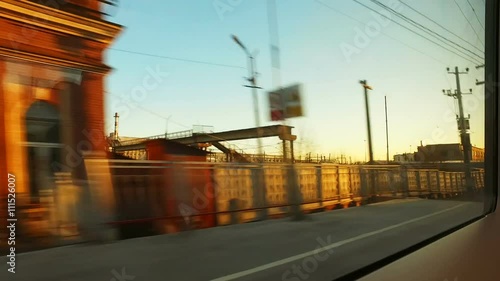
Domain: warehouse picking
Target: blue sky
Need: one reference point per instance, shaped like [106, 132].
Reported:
[409, 70]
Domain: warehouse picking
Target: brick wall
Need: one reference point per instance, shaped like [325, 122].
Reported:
[93, 104]
[22, 37]
[54, 80]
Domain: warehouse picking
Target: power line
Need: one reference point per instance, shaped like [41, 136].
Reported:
[383, 33]
[146, 110]
[474, 10]
[451, 32]
[436, 35]
[176, 59]
[467, 19]
[426, 29]
[405, 27]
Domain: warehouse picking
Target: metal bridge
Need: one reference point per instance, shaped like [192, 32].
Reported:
[188, 137]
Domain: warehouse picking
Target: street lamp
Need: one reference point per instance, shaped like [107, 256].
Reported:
[252, 79]
[260, 191]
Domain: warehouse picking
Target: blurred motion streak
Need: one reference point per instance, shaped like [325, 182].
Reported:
[51, 103]
[142, 198]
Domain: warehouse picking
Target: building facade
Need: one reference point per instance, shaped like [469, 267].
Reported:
[404, 157]
[450, 152]
[52, 93]
[477, 154]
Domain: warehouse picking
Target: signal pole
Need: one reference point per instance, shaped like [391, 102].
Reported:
[463, 125]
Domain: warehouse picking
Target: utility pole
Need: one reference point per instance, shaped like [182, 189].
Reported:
[370, 149]
[386, 129]
[371, 192]
[463, 125]
[253, 85]
[365, 150]
[259, 185]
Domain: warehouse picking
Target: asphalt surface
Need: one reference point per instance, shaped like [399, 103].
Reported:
[323, 247]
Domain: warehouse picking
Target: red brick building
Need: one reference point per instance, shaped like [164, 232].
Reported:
[51, 99]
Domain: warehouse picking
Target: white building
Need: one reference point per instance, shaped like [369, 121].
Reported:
[405, 157]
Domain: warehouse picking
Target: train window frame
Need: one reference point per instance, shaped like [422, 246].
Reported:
[491, 161]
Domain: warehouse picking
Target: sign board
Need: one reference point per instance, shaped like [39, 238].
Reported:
[286, 103]
[276, 106]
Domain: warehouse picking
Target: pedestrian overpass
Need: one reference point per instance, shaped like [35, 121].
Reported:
[191, 138]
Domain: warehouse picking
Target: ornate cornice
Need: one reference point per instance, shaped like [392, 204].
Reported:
[33, 14]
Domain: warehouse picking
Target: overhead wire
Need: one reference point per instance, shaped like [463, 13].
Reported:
[170, 120]
[467, 19]
[440, 25]
[176, 59]
[474, 10]
[383, 33]
[412, 31]
[426, 29]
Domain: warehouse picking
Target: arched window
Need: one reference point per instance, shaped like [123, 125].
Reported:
[43, 136]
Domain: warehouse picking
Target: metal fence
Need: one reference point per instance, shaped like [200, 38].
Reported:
[124, 198]
[160, 197]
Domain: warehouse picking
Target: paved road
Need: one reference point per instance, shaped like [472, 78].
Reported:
[326, 246]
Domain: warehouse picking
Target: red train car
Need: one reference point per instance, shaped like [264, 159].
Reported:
[187, 187]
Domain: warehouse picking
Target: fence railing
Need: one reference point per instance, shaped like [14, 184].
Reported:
[175, 135]
[141, 198]
[161, 195]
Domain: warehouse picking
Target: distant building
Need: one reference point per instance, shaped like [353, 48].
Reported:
[477, 154]
[451, 152]
[404, 158]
